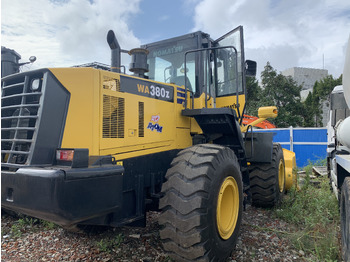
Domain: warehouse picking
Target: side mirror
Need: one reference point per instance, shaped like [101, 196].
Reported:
[250, 68]
[32, 59]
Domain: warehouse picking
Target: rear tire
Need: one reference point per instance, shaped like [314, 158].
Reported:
[202, 204]
[345, 218]
[267, 181]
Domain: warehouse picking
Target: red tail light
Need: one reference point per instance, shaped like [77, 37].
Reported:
[65, 155]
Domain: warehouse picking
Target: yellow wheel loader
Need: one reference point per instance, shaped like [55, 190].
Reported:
[85, 146]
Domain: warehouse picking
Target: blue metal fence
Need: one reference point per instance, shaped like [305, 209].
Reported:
[308, 144]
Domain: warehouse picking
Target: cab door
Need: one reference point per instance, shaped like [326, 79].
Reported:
[229, 71]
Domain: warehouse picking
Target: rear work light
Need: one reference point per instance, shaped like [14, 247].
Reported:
[75, 158]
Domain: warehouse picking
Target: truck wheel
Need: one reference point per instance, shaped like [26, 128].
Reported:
[345, 218]
[202, 204]
[267, 181]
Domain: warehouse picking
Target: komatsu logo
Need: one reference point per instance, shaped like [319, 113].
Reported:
[234, 106]
[169, 50]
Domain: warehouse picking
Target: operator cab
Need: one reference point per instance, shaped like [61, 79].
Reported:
[211, 70]
[166, 60]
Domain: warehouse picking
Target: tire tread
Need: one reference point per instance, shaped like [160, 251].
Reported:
[185, 202]
[264, 181]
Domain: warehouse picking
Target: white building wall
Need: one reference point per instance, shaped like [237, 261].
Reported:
[306, 77]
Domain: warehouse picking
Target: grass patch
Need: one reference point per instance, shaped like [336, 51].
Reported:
[48, 225]
[22, 225]
[314, 210]
[27, 221]
[16, 231]
[25, 224]
[107, 245]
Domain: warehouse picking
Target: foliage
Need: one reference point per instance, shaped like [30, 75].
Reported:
[254, 95]
[309, 111]
[314, 210]
[27, 221]
[16, 231]
[21, 225]
[48, 225]
[25, 224]
[283, 92]
[324, 87]
[277, 90]
[107, 245]
[313, 102]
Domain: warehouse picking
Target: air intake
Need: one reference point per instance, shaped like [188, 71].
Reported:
[138, 63]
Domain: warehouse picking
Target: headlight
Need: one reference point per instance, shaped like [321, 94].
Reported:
[35, 84]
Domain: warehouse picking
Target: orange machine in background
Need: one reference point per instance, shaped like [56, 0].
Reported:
[264, 124]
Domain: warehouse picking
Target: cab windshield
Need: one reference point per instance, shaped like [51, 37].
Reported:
[166, 63]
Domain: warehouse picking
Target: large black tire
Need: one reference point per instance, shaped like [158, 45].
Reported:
[345, 218]
[267, 181]
[202, 204]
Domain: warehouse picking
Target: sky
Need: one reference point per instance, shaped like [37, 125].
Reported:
[286, 33]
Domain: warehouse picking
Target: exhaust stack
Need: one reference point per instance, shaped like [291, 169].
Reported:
[115, 51]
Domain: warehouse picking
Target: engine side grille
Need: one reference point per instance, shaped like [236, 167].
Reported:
[141, 119]
[20, 107]
[113, 117]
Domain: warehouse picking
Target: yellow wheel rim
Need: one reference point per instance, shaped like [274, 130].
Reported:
[281, 176]
[227, 207]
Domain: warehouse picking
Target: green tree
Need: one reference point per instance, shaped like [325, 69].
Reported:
[324, 87]
[283, 92]
[254, 95]
[313, 103]
[308, 112]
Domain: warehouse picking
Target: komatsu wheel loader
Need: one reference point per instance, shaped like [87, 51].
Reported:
[83, 146]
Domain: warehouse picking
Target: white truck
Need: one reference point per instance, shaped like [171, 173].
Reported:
[338, 152]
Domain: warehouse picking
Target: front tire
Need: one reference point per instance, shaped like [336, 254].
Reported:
[202, 204]
[267, 181]
[345, 218]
